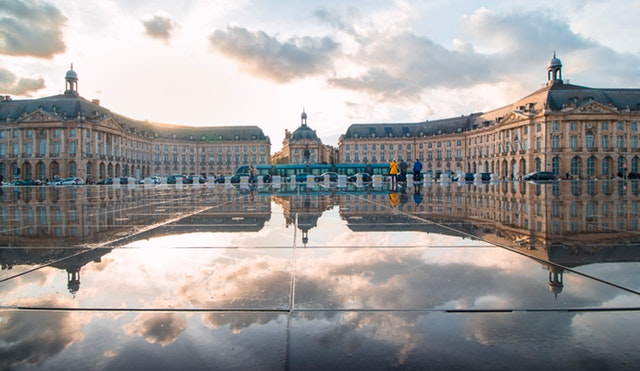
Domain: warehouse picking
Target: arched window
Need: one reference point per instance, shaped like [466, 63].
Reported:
[591, 166]
[621, 165]
[555, 166]
[575, 166]
[606, 166]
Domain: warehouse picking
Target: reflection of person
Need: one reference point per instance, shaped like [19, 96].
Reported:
[393, 198]
[393, 173]
[417, 196]
[252, 174]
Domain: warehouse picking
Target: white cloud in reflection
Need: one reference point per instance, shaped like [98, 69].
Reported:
[161, 328]
[34, 337]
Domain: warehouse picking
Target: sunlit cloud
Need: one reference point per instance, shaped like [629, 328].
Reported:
[159, 26]
[11, 84]
[31, 28]
[24, 342]
[265, 56]
[160, 328]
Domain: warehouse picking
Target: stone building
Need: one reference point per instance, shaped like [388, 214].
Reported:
[67, 135]
[303, 146]
[572, 130]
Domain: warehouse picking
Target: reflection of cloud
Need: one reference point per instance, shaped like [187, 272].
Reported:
[31, 28]
[34, 337]
[161, 328]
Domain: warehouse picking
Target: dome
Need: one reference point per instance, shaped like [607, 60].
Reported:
[304, 132]
[71, 74]
[555, 62]
[304, 115]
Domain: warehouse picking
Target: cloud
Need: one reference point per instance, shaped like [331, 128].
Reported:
[264, 56]
[161, 328]
[25, 342]
[159, 26]
[10, 84]
[31, 28]
[399, 64]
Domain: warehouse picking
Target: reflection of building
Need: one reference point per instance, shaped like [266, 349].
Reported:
[564, 128]
[562, 225]
[69, 216]
[303, 146]
[71, 260]
[35, 222]
[304, 210]
[67, 135]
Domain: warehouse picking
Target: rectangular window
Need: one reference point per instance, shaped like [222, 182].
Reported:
[574, 142]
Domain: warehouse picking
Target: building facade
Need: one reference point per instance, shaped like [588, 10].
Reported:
[68, 136]
[574, 131]
[303, 146]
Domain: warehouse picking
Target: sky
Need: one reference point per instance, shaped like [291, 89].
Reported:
[243, 62]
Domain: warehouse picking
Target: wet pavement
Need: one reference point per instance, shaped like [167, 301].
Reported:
[444, 276]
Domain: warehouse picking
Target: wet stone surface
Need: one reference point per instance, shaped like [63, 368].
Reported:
[481, 276]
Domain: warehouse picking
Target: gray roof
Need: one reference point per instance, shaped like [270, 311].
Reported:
[69, 106]
[398, 130]
[304, 132]
[555, 97]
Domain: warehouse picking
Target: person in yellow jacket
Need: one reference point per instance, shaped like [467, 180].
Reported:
[393, 172]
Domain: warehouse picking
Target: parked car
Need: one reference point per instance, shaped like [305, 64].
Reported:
[333, 177]
[128, 181]
[107, 181]
[237, 176]
[540, 175]
[150, 180]
[194, 178]
[24, 182]
[173, 179]
[72, 181]
[301, 177]
[366, 178]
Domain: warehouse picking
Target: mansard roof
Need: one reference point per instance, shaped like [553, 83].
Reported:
[549, 99]
[304, 132]
[399, 130]
[69, 107]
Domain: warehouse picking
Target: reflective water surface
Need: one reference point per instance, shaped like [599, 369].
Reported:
[485, 276]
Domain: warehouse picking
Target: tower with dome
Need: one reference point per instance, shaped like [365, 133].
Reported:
[303, 146]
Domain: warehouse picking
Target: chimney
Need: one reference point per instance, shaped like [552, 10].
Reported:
[96, 101]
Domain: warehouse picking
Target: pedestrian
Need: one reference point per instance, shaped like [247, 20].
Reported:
[393, 173]
[417, 168]
[403, 171]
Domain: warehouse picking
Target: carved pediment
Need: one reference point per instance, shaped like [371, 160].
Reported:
[111, 123]
[39, 116]
[514, 116]
[594, 107]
